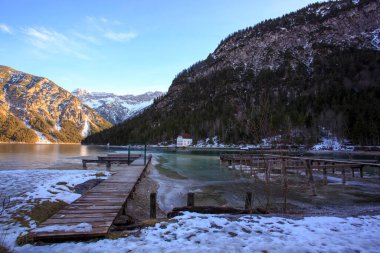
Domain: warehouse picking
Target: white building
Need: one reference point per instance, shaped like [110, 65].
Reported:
[184, 140]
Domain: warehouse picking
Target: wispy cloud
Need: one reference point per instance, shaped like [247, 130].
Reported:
[6, 29]
[80, 42]
[106, 28]
[121, 37]
[52, 42]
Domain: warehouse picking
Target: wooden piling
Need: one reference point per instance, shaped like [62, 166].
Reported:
[153, 205]
[311, 178]
[361, 172]
[190, 199]
[343, 176]
[284, 183]
[248, 201]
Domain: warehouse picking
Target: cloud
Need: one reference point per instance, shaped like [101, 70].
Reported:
[52, 42]
[6, 29]
[121, 37]
[105, 28]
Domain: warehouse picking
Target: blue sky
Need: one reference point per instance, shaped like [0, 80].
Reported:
[121, 46]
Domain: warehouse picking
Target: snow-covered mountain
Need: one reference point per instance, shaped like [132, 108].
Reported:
[116, 108]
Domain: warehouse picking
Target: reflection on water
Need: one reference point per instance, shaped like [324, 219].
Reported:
[37, 156]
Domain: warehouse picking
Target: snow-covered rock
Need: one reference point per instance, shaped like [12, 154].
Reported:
[116, 108]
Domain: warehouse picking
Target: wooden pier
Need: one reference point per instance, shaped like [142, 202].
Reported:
[251, 163]
[97, 209]
[111, 159]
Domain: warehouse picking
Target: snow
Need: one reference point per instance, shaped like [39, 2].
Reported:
[250, 233]
[86, 128]
[81, 227]
[331, 143]
[119, 107]
[41, 138]
[25, 187]
[376, 39]
[356, 2]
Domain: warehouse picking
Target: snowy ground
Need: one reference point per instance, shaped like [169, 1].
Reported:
[190, 232]
[27, 187]
[200, 233]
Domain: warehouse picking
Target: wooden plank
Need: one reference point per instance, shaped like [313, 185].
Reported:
[85, 215]
[82, 211]
[67, 220]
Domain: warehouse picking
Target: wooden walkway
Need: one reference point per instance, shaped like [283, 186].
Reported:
[97, 208]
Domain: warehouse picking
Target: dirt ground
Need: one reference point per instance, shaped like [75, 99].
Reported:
[139, 207]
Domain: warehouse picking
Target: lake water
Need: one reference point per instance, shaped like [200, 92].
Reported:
[201, 172]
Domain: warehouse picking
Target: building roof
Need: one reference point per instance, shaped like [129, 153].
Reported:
[185, 136]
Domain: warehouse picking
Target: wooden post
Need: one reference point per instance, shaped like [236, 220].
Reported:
[153, 206]
[361, 172]
[129, 154]
[248, 201]
[285, 183]
[241, 167]
[124, 208]
[325, 176]
[190, 199]
[311, 178]
[267, 184]
[353, 172]
[108, 165]
[343, 176]
[307, 182]
[84, 164]
[251, 167]
[145, 155]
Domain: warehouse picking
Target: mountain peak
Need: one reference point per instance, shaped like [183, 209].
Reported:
[116, 108]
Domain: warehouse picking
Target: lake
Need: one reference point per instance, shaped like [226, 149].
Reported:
[178, 173]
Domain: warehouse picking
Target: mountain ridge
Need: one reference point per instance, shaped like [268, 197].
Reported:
[35, 109]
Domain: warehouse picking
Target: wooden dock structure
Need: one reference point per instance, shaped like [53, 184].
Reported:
[251, 163]
[97, 209]
[111, 159]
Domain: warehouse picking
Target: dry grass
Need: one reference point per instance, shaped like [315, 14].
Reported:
[42, 211]
[100, 174]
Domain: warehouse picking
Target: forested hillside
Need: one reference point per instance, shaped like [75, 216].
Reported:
[305, 75]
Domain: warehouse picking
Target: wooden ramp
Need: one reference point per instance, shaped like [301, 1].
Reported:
[92, 215]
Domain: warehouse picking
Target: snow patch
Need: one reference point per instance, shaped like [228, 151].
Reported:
[331, 143]
[86, 128]
[356, 2]
[41, 138]
[376, 39]
[194, 232]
